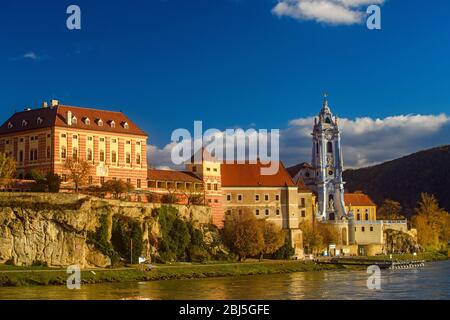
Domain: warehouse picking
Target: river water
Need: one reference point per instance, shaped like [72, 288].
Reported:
[430, 282]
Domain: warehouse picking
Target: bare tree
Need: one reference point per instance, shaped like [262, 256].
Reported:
[79, 170]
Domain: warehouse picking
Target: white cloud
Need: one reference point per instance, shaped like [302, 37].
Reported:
[31, 55]
[333, 12]
[365, 141]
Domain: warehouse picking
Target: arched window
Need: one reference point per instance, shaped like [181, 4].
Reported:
[89, 154]
[330, 147]
[113, 124]
[75, 153]
[63, 152]
[317, 148]
[367, 216]
[128, 158]
[138, 158]
[358, 216]
[113, 157]
[102, 156]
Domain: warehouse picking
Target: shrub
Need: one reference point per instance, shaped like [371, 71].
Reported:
[127, 238]
[286, 252]
[53, 182]
[101, 242]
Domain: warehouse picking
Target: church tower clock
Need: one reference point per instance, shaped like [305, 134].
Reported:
[328, 165]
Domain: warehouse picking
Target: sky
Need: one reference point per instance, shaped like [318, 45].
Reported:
[240, 64]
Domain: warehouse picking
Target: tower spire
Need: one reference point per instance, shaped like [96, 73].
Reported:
[325, 106]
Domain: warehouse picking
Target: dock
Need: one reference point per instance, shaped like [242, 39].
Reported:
[382, 264]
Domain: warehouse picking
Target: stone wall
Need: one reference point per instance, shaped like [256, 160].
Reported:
[53, 228]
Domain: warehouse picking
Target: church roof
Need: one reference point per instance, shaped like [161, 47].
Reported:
[249, 175]
[295, 169]
[358, 199]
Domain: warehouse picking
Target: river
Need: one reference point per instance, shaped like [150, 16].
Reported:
[430, 282]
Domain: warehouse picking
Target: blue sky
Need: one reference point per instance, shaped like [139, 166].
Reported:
[230, 63]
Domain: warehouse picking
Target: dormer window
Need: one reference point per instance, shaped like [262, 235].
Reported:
[87, 121]
[74, 120]
[10, 125]
[112, 124]
[100, 122]
[39, 121]
[126, 125]
[24, 123]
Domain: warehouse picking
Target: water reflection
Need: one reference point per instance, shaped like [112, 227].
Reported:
[431, 282]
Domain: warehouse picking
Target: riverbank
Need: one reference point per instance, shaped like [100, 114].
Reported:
[40, 276]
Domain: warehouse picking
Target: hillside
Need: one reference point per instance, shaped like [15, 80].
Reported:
[404, 179]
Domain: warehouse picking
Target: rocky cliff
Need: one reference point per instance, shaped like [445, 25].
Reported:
[54, 228]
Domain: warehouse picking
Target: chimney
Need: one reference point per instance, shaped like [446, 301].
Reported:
[54, 102]
[69, 118]
[27, 109]
[44, 104]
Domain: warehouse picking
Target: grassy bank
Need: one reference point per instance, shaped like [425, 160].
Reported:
[24, 277]
[41, 276]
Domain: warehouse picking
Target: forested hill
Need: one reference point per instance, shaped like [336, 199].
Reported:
[406, 178]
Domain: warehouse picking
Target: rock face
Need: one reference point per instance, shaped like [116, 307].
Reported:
[53, 228]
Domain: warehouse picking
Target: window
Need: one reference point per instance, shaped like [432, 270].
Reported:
[10, 125]
[90, 180]
[257, 212]
[239, 197]
[74, 120]
[89, 154]
[138, 143]
[267, 212]
[87, 121]
[208, 186]
[266, 197]
[277, 197]
[363, 229]
[302, 202]
[358, 216]
[367, 216]
[256, 197]
[113, 124]
[39, 121]
[90, 139]
[216, 201]
[129, 181]
[75, 137]
[114, 141]
[128, 158]
[194, 169]
[102, 180]
[21, 156]
[63, 136]
[303, 214]
[278, 212]
[24, 123]
[228, 212]
[100, 122]
[329, 147]
[208, 169]
[228, 197]
[371, 229]
[64, 177]
[63, 152]
[126, 125]
[102, 156]
[21, 140]
[216, 187]
[75, 153]
[113, 157]
[102, 139]
[128, 142]
[138, 184]
[138, 158]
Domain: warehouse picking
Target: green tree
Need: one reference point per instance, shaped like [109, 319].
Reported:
[312, 238]
[243, 235]
[53, 182]
[273, 237]
[7, 169]
[127, 238]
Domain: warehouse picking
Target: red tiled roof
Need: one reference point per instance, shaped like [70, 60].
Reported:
[358, 199]
[249, 175]
[170, 175]
[57, 116]
[295, 169]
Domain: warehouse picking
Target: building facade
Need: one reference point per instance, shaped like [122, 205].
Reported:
[43, 139]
